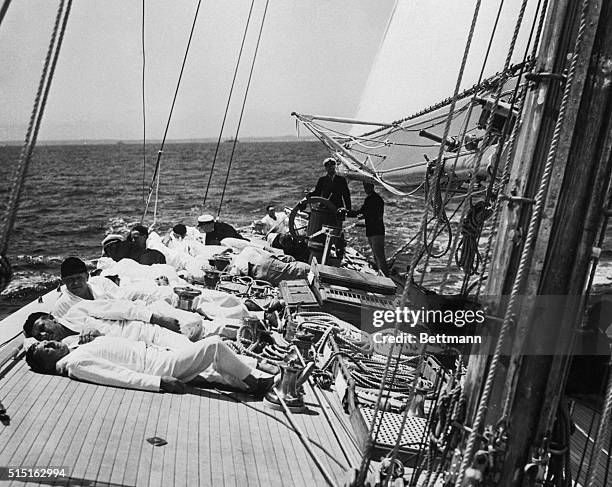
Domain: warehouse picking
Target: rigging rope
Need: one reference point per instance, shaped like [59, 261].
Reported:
[500, 143]
[526, 253]
[144, 111]
[246, 93]
[485, 85]
[229, 98]
[163, 142]
[439, 163]
[40, 102]
[504, 181]
[475, 230]
[505, 176]
[3, 10]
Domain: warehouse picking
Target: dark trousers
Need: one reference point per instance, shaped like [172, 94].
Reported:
[377, 244]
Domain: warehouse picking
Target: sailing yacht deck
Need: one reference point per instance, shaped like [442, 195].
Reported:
[214, 438]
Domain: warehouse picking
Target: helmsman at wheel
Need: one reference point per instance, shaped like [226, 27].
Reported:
[333, 187]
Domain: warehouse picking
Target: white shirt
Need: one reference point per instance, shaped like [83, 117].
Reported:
[100, 288]
[110, 361]
[194, 234]
[131, 319]
[279, 225]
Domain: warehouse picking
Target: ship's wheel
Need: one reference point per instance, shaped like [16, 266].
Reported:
[300, 214]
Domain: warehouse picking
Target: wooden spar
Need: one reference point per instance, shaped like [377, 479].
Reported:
[548, 246]
[579, 209]
[536, 131]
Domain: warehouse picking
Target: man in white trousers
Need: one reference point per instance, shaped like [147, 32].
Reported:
[119, 362]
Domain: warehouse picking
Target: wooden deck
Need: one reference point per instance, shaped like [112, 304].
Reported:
[99, 434]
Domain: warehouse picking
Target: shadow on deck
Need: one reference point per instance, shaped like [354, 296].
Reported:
[214, 438]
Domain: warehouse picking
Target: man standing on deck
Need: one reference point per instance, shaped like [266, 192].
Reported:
[333, 187]
[215, 230]
[372, 211]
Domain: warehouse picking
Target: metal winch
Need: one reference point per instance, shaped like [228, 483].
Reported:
[186, 295]
[289, 387]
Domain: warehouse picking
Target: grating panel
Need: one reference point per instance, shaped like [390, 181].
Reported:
[360, 299]
[412, 436]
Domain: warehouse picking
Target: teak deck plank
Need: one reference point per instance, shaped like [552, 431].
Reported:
[34, 421]
[192, 476]
[120, 463]
[171, 436]
[157, 466]
[267, 447]
[226, 447]
[251, 437]
[215, 438]
[217, 466]
[242, 453]
[70, 435]
[88, 465]
[149, 430]
[55, 427]
[88, 410]
[181, 464]
[109, 456]
[16, 406]
[203, 441]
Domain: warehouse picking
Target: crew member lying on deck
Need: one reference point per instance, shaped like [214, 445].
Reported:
[135, 247]
[119, 362]
[140, 251]
[123, 318]
[80, 287]
[259, 264]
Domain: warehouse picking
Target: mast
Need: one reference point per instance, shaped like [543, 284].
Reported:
[530, 385]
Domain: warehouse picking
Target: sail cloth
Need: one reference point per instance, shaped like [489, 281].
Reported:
[398, 157]
[416, 66]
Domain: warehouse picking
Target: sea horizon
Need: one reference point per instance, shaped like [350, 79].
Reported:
[203, 140]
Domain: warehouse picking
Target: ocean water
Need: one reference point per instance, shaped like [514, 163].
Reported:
[75, 194]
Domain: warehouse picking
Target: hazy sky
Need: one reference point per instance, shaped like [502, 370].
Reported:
[315, 57]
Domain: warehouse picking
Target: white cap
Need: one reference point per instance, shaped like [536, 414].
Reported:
[329, 160]
[113, 237]
[206, 219]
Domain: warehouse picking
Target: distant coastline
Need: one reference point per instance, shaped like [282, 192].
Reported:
[282, 138]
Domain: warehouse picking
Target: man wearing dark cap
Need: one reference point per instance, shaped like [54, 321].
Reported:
[80, 287]
[215, 230]
[333, 187]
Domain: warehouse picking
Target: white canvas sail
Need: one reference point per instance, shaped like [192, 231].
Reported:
[416, 66]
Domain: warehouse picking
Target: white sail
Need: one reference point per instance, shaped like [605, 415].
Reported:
[421, 34]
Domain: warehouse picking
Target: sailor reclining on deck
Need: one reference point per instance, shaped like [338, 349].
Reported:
[119, 362]
[155, 324]
[80, 287]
